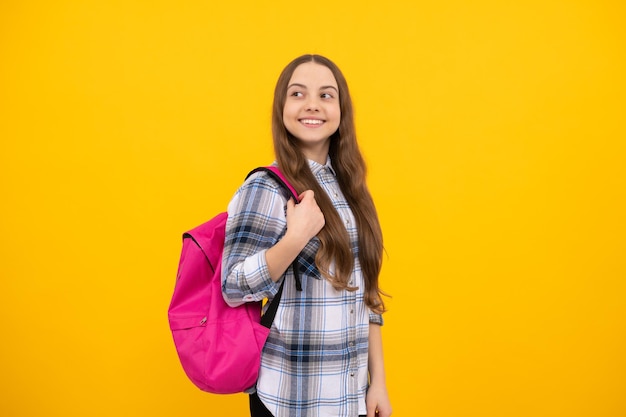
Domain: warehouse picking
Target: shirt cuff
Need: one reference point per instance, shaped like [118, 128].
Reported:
[259, 280]
[376, 318]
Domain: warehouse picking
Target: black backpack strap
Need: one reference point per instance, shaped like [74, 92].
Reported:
[277, 176]
[268, 318]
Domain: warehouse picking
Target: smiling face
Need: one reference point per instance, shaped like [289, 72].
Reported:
[312, 109]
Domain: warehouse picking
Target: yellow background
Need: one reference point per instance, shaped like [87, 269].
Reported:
[494, 133]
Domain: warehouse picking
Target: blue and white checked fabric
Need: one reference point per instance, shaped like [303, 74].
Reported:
[315, 360]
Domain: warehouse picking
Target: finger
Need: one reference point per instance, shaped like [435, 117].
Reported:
[384, 412]
[306, 194]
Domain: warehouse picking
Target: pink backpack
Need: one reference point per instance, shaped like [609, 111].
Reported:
[218, 346]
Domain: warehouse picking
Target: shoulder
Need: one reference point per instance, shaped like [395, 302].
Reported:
[260, 182]
[259, 193]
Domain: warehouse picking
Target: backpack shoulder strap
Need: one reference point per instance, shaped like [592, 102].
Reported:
[270, 313]
[277, 175]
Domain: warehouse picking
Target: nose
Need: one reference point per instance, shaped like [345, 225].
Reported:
[312, 104]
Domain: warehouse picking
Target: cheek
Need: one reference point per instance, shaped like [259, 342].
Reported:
[285, 116]
[288, 112]
[287, 119]
[337, 115]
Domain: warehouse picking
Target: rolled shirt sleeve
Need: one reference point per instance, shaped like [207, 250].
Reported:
[376, 318]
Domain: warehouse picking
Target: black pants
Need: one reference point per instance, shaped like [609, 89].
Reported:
[258, 409]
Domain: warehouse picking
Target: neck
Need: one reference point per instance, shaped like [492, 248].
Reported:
[318, 154]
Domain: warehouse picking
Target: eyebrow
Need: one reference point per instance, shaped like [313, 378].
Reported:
[324, 87]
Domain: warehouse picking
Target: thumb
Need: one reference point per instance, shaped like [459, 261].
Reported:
[306, 195]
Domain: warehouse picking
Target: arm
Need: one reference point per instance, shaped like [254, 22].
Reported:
[377, 399]
[256, 221]
[256, 254]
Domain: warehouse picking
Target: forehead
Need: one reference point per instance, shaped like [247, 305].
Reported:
[313, 75]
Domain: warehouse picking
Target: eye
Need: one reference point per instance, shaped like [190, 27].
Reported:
[296, 94]
[326, 95]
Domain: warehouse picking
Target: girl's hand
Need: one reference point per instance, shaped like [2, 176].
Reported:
[305, 219]
[377, 401]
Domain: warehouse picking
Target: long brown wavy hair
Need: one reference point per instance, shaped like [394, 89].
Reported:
[351, 171]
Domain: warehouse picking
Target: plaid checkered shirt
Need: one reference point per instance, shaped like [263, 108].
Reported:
[314, 363]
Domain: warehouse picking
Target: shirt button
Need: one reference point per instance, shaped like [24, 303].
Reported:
[351, 373]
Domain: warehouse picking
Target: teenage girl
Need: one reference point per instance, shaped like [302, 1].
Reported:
[324, 353]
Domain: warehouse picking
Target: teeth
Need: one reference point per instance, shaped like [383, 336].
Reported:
[312, 121]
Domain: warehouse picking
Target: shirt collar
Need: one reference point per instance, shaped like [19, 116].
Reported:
[316, 167]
